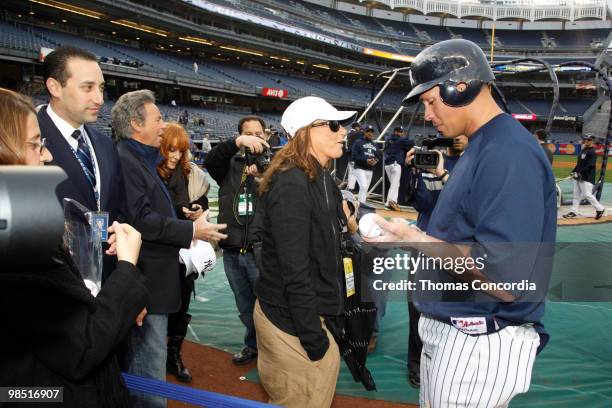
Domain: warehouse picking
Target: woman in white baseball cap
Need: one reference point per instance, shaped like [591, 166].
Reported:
[301, 269]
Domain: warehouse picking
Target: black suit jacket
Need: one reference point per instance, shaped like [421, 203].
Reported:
[150, 211]
[77, 187]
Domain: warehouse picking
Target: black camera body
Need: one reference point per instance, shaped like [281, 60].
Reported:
[424, 157]
[261, 160]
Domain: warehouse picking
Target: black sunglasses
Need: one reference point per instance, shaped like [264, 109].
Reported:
[334, 125]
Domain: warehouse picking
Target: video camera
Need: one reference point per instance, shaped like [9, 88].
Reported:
[424, 157]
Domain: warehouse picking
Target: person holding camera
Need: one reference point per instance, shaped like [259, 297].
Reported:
[365, 155]
[187, 186]
[231, 165]
[396, 147]
[431, 181]
[55, 332]
[297, 244]
[584, 178]
[429, 185]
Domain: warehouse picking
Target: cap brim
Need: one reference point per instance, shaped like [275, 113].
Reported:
[418, 90]
[344, 117]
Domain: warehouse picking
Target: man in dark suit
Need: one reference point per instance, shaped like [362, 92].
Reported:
[139, 125]
[76, 85]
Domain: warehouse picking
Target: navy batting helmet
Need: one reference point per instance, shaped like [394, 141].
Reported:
[447, 64]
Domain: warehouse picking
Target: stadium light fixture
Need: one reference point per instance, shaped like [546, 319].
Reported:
[225, 47]
[196, 40]
[70, 8]
[321, 66]
[300, 62]
[140, 27]
[348, 72]
[280, 58]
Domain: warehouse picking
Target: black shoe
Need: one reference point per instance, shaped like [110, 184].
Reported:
[245, 356]
[570, 214]
[599, 214]
[414, 379]
[174, 362]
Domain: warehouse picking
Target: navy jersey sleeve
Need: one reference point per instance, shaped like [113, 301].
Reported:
[506, 205]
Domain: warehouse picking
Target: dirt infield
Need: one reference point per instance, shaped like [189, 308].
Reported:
[213, 370]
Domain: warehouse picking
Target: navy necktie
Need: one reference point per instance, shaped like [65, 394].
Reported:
[84, 155]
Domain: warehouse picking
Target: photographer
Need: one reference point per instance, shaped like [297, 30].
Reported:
[584, 178]
[229, 164]
[431, 181]
[365, 155]
[429, 185]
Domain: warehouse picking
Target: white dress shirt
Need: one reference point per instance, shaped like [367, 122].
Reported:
[67, 130]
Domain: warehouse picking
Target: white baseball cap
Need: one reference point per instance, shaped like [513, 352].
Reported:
[304, 111]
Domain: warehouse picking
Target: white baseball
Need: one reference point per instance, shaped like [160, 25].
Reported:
[368, 228]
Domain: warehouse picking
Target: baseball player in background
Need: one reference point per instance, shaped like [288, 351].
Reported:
[584, 178]
[479, 348]
[365, 155]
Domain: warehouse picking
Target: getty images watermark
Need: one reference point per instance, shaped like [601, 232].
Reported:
[458, 265]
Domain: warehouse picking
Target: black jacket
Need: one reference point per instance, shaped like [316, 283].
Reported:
[55, 334]
[151, 212]
[225, 165]
[301, 266]
[586, 165]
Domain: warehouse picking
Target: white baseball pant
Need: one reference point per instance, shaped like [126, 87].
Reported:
[485, 371]
[582, 190]
[351, 176]
[394, 173]
[364, 178]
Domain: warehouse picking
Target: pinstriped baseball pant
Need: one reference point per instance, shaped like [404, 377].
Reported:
[460, 370]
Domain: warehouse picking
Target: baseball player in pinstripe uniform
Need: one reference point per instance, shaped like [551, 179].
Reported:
[479, 349]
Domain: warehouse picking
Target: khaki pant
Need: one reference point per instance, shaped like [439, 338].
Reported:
[289, 377]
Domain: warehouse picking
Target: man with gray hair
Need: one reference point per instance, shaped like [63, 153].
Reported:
[139, 126]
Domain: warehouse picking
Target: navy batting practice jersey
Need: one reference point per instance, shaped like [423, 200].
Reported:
[501, 198]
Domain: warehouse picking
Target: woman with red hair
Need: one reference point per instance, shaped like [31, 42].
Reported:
[188, 186]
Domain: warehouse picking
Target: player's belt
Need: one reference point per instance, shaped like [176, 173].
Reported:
[472, 325]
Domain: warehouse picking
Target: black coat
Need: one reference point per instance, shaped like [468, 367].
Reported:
[150, 211]
[301, 272]
[54, 333]
[225, 165]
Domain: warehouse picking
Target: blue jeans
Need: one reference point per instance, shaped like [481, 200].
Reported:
[241, 273]
[146, 357]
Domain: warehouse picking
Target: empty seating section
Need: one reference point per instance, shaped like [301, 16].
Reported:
[20, 37]
[472, 34]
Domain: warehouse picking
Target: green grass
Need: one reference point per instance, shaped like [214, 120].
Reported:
[565, 171]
